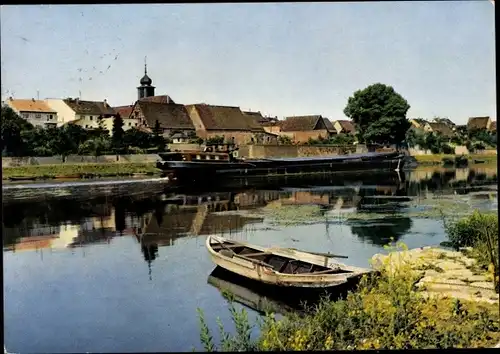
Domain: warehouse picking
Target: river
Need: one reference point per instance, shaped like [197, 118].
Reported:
[123, 267]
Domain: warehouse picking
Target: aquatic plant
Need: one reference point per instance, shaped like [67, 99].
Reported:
[385, 312]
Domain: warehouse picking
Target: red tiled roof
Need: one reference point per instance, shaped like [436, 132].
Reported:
[300, 123]
[477, 122]
[170, 116]
[225, 118]
[124, 111]
[90, 107]
[347, 126]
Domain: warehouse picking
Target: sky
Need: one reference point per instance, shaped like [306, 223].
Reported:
[281, 59]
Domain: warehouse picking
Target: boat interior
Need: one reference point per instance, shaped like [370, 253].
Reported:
[279, 264]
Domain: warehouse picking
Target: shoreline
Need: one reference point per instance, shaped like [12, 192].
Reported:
[136, 169]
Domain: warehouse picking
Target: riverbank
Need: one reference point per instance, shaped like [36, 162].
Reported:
[404, 307]
[473, 159]
[124, 169]
[80, 171]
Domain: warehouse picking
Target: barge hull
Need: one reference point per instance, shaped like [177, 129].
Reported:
[205, 170]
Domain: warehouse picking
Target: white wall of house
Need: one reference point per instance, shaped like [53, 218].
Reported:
[128, 123]
[37, 119]
[87, 121]
[64, 113]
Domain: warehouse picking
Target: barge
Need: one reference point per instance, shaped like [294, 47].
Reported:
[222, 162]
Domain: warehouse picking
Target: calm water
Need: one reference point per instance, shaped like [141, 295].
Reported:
[125, 270]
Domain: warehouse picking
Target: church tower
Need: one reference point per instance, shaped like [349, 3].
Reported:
[146, 89]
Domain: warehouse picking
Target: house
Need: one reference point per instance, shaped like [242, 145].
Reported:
[440, 128]
[302, 128]
[172, 118]
[229, 122]
[493, 127]
[478, 123]
[446, 121]
[83, 113]
[36, 112]
[418, 123]
[344, 127]
[179, 138]
[329, 126]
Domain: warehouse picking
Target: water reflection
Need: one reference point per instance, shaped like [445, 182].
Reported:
[159, 220]
[94, 256]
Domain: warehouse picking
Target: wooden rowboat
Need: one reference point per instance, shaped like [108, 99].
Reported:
[280, 266]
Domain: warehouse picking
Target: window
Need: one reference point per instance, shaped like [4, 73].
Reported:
[50, 116]
[129, 124]
[86, 125]
[91, 117]
[26, 115]
[38, 115]
[136, 124]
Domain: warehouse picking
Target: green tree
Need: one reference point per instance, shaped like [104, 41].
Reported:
[95, 146]
[137, 138]
[158, 140]
[14, 133]
[284, 140]
[117, 138]
[379, 114]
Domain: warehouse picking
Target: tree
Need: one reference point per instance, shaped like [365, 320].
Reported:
[14, 133]
[284, 140]
[117, 138]
[96, 146]
[379, 114]
[137, 138]
[158, 140]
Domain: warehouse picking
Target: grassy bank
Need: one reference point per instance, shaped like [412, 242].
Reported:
[89, 170]
[437, 159]
[398, 309]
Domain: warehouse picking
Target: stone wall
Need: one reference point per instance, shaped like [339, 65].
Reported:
[184, 146]
[76, 159]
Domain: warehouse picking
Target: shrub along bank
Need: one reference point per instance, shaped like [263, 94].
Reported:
[90, 170]
[438, 159]
[385, 312]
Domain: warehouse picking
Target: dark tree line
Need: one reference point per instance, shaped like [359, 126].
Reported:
[21, 138]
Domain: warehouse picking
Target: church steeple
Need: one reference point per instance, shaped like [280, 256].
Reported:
[146, 89]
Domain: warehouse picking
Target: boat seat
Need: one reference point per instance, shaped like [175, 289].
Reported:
[227, 253]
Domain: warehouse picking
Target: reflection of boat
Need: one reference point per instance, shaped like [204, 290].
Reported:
[249, 296]
[280, 266]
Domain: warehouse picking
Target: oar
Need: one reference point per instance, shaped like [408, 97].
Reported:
[322, 254]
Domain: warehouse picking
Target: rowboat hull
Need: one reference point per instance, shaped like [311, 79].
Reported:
[274, 272]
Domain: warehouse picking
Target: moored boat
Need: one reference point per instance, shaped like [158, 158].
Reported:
[283, 267]
[213, 165]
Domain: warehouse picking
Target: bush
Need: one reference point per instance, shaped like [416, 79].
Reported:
[385, 312]
[479, 231]
[447, 149]
[469, 231]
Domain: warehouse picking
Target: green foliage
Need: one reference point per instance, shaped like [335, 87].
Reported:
[241, 341]
[87, 169]
[284, 140]
[95, 147]
[218, 139]
[13, 141]
[117, 138]
[20, 138]
[379, 114]
[385, 312]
